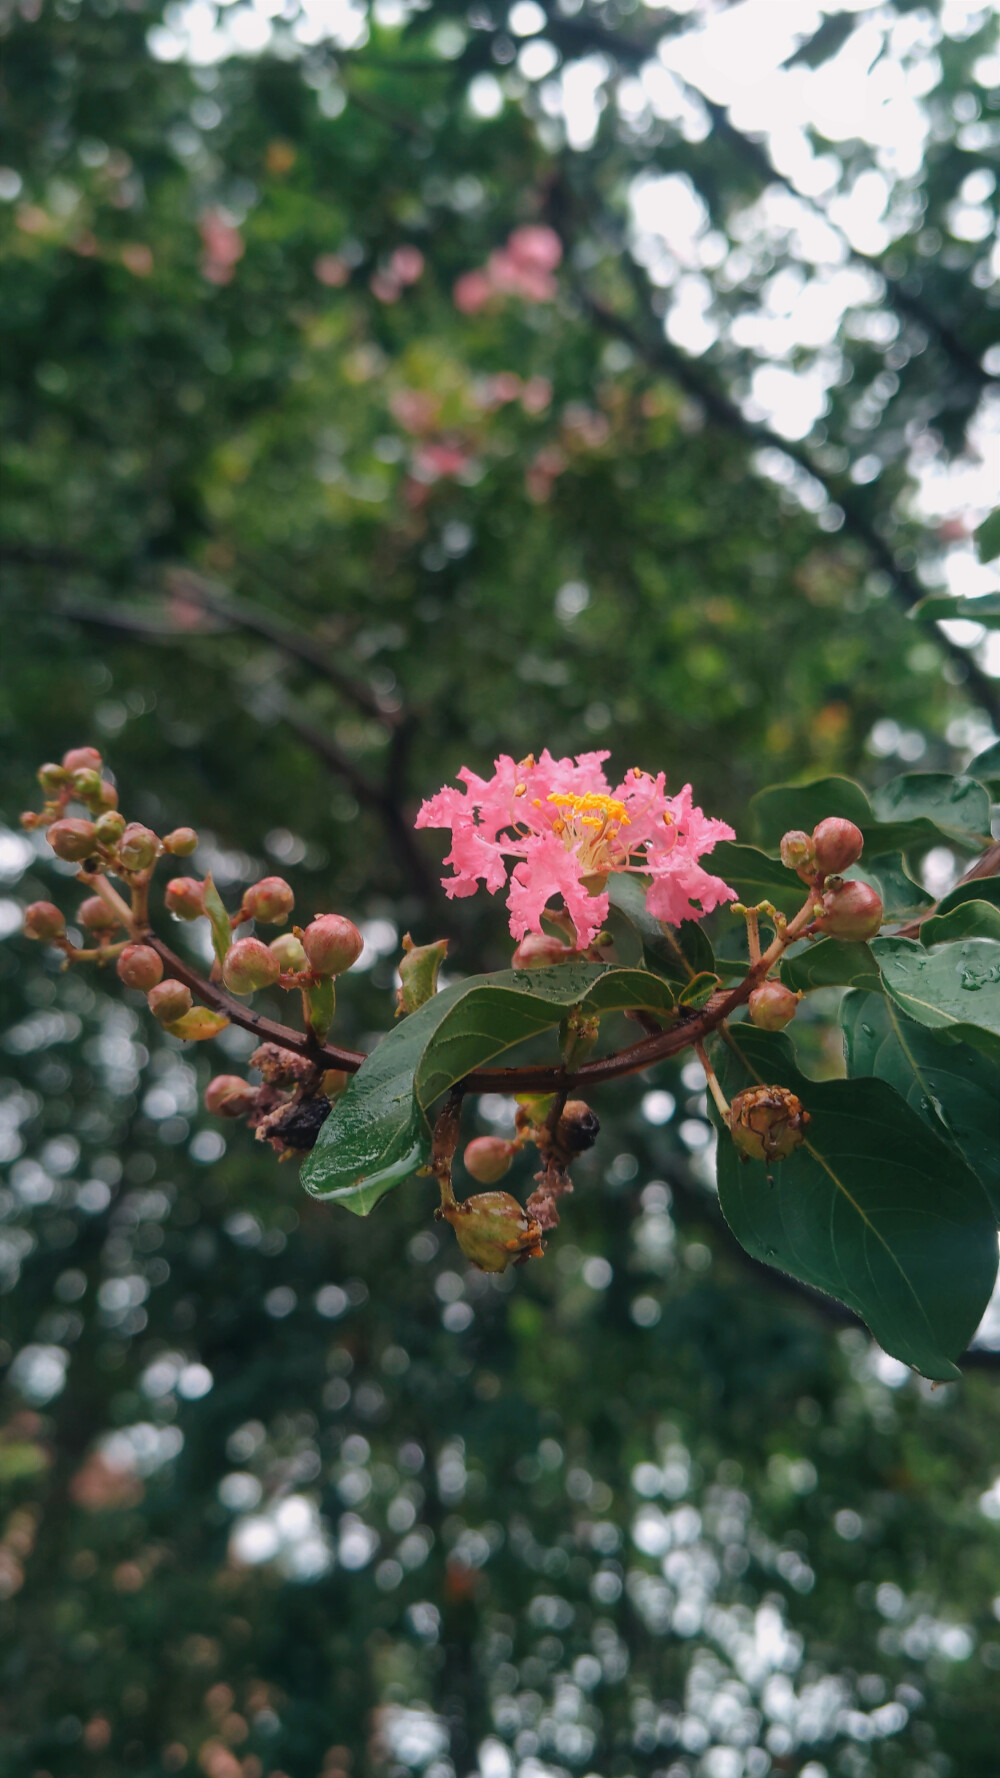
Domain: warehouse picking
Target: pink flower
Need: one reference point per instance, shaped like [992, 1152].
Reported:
[407, 265]
[223, 246]
[566, 831]
[472, 292]
[536, 247]
[330, 269]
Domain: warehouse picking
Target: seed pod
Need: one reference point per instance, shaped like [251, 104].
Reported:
[271, 900]
[798, 852]
[43, 920]
[578, 1128]
[229, 1096]
[537, 950]
[767, 1123]
[185, 896]
[493, 1230]
[488, 1158]
[139, 966]
[109, 828]
[51, 778]
[853, 911]
[138, 847]
[838, 844]
[773, 1006]
[332, 944]
[169, 1001]
[249, 965]
[181, 843]
[72, 839]
[82, 759]
[96, 915]
[290, 953]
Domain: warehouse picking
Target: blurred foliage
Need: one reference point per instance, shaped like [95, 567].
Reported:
[314, 1499]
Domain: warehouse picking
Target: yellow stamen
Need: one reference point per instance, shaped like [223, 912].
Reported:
[592, 800]
[519, 789]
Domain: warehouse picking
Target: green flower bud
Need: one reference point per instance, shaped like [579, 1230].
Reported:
[798, 852]
[139, 966]
[96, 916]
[773, 1006]
[229, 1096]
[488, 1158]
[290, 953]
[271, 900]
[249, 965]
[43, 920]
[168, 1001]
[82, 759]
[181, 843]
[852, 910]
[51, 778]
[838, 844]
[493, 1230]
[110, 827]
[138, 847]
[185, 896]
[72, 839]
[87, 785]
[767, 1123]
[332, 944]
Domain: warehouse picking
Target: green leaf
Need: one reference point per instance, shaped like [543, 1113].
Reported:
[976, 889]
[756, 877]
[418, 973]
[699, 990]
[873, 1208]
[953, 988]
[986, 766]
[676, 953]
[916, 809]
[830, 963]
[971, 919]
[782, 807]
[378, 1132]
[985, 609]
[902, 898]
[951, 1086]
[988, 537]
[218, 919]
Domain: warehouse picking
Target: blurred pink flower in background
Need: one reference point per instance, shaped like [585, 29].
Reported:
[223, 244]
[523, 266]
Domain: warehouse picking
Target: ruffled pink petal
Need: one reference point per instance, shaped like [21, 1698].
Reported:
[682, 883]
[548, 870]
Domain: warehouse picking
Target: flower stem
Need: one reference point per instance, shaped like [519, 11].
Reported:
[712, 1082]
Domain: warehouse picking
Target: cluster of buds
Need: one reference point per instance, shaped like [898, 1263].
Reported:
[848, 910]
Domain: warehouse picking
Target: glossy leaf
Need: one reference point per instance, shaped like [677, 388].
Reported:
[915, 809]
[676, 952]
[873, 1208]
[831, 963]
[902, 898]
[982, 610]
[782, 807]
[756, 877]
[378, 1132]
[988, 537]
[986, 766]
[977, 889]
[953, 988]
[951, 1086]
[970, 919]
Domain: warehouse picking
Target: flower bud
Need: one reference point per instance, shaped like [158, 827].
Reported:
[107, 796]
[767, 1123]
[332, 943]
[853, 911]
[139, 966]
[43, 920]
[82, 759]
[578, 1128]
[798, 852]
[168, 1001]
[537, 950]
[72, 839]
[185, 896]
[86, 785]
[51, 778]
[493, 1230]
[838, 844]
[96, 915]
[290, 953]
[488, 1158]
[229, 1096]
[181, 843]
[138, 847]
[109, 828]
[249, 965]
[773, 1006]
[271, 900]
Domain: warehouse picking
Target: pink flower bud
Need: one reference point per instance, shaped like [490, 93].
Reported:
[488, 1158]
[853, 911]
[537, 950]
[773, 1006]
[229, 1096]
[767, 1123]
[271, 900]
[82, 759]
[139, 966]
[107, 796]
[43, 920]
[249, 965]
[110, 827]
[185, 896]
[838, 844]
[168, 1001]
[332, 943]
[798, 852]
[72, 839]
[51, 778]
[290, 953]
[138, 847]
[181, 843]
[96, 915]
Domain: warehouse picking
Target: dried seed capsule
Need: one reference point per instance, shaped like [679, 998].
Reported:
[249, 965]
[72, 839]
[271, 900]
[838, 844]
[185, 897]
[169, 1001]
[229, 1096]
[578, 1128]
[773, 1006]
[493, 1230]
[139, 966]
[43, 920]
[82, 759]
[488, 1158]
[181, 842]
[290, 953]
[138, 847]
[332, 944]
[96, 915]
[853, 910]
[767, 1123]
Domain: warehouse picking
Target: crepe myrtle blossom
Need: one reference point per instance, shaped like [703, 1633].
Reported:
[566, 830]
